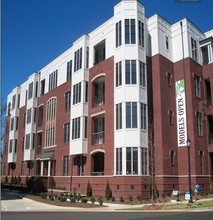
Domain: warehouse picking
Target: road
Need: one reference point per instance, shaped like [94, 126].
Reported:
[107, 215]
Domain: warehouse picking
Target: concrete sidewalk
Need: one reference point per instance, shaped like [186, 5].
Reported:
[14, 201]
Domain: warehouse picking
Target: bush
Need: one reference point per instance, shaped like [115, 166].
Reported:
[113, 198]
[139, 198]
[12, 180]
[63, 198]
[51, 197]
[19, 180]
[84, 200]
[78, 197]
[108, 192]
[43, 195]
[92, 200]
[121, 199]
[73, 199]
[6, 180]
[100, 201]
[89, 190]
[15, 180]
[56, 196]
[130, 198]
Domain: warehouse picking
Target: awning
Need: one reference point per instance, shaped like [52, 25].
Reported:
[47, 155]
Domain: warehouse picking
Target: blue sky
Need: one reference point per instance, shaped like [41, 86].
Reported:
[34, 32]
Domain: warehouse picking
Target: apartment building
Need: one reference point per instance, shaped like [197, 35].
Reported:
[105, 109]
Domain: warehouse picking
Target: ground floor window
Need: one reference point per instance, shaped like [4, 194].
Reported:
[118, 161]
[131, 160]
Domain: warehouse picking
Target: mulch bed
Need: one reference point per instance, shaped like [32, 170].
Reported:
[64, 204]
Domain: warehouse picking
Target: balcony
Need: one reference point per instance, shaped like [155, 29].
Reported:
[98, 138]
[98, 100]
[210, 138]
[97, 173]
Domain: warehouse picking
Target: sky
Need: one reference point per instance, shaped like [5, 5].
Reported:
[34, 32]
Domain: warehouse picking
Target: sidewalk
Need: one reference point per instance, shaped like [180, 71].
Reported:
[14, 201]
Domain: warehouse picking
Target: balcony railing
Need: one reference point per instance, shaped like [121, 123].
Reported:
[98, 137]
[210, 138]
[97, 173]
[98, 100]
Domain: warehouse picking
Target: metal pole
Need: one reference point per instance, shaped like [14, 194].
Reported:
[188, 141]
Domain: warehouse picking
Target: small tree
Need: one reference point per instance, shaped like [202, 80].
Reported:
[12, 180]
[15, 180]
[6, 179]
[89, 190]
[19, 180]
[108, 192]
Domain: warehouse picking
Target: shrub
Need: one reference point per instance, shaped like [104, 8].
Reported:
[73, 199]
[121, 199]
[15, 180]
[43, 195]
[108, 192]
[92, 200]
[84, 200]
[52, 183]
[26, 181]
[130, 198]
[139, 198]
[113, 198]
[89, 190]
[6, 180]
[100, 201]
[63, 198]
[51, 197]
[56, 196]
[19, 180]
[12, 180]
[78, 197]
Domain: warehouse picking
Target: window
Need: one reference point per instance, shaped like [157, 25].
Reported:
[141, 33]
[129, 31]
[86, 92]
[87, 58]
[18, 102]
[14, 102]
[67, 101]
[42, 86]
[36, 90]
[12, 124]
[69, 70]
[8, 109]
[22, 168]
[143, 117]
[131, 115]
[118, 34]
[169, 79]
[16, 123]
[78, 60]
[50, 122]
[142, 74]
[51, 109]
[67, 133]
[119, 116]
[144, 161]
[194, 49]
[172, 156]
[118, 161]
[27, 141]
[65, 165]
[130, 68]
[201, 162]
[131, 160]
[171, 117]
[11, 146]
[199, 124]
[76, 128]
[26, 94]
[80, 165]
[85, 127]
[53, 80]
[34, 115]
[167, 42]
[23, 142]
[76, 93]
[29, 113]
[30, 91]
[15, 145]
[40, 115]
[24, 120]
[197, 86]
[118, 74]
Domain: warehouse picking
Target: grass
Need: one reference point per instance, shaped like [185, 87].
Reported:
[197, 204]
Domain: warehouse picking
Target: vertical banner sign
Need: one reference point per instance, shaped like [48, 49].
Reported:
[181, 113]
